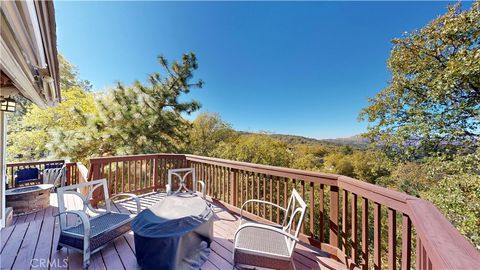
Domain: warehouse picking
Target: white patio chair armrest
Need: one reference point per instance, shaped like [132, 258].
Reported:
[202, 185]
[258, 201]
[263, 226]
[133, 196]
[83, 218]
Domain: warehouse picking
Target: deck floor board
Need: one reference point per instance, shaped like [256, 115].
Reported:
[35, 236]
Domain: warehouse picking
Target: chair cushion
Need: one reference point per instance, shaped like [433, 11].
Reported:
[24, 175]
[53, 166]
[261, 240]
[101, 223]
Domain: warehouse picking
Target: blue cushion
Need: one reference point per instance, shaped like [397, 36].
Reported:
[53, 166]
[24, 175]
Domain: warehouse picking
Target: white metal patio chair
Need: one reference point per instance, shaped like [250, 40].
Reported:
[55, 176]
[177, 173]
[269, 246]
[92, 233]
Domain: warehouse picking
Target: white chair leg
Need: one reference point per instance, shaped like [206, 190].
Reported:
[86, 253]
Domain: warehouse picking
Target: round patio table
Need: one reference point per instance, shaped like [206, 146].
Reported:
[174, 233]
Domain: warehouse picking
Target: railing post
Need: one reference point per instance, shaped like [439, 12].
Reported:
[364, 233]
[155, 173]
[189, 178]
[334, 201]
[68, 178]
[233, 186]
[95, 175]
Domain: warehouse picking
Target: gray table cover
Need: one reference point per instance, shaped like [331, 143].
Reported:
[174, 233]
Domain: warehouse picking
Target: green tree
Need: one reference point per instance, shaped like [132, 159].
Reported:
[370, 165]
[432, 103]
[339, 163]
[457, 192]
[309, 156]
[69, 75]
[141, 118]
[256, 148]
[31, 129]
[207, 131]
[29, 137]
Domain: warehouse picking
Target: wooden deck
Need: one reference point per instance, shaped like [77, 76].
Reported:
[30, 243]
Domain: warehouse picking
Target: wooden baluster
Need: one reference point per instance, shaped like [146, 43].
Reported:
[234, 186]
[264, 182]
[277, 180]
[220, 183]
[344, 234]
[419, 254]
[141, 180]
[116, 187]
[334, 201]
[228, 185]
[241, 176]
[321, 208]
[424, 257]
[312, 209]
[208, 180]
[302, 184]
[257, 180]
[226, 178]
[252, 191]
[406, 242]
[151, 173]
[214, 181]
[392, 239]
[224, 184]
[135, 175]
[110, 181]
[162, 168]
[148, 178]
[271, 196]
[285, 193]
[354, 229]
[377, 234]
[128, 176]
[365, 234]
[156, 184]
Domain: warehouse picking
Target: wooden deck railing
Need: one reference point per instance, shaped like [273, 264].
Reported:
[71, 167]
[361, 224]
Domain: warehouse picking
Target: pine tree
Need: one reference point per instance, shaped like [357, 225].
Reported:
[141, 118]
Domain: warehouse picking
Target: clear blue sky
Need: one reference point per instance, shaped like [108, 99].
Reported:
[303, 68]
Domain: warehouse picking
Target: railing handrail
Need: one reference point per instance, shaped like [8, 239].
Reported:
[26, 163]
[267, 169]
[390, 198]
[445, 247]
[442, 242]
[441, 239]
[132, 157]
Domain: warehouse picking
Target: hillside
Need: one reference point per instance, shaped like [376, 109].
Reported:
[354, 141]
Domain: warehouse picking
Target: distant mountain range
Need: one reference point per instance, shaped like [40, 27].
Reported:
[354, 141]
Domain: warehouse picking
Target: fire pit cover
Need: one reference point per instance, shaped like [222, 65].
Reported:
[175, 233]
